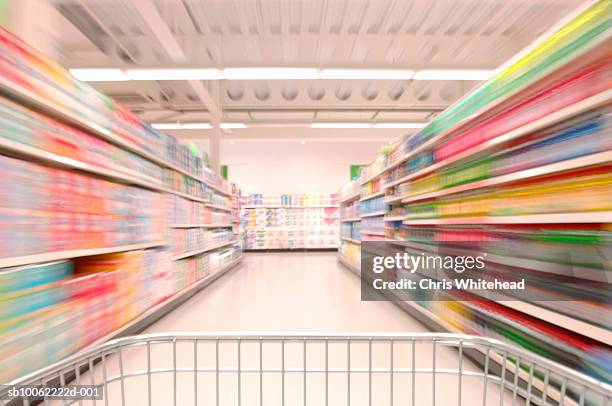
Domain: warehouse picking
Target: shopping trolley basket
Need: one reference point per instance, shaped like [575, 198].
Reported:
[318, 369]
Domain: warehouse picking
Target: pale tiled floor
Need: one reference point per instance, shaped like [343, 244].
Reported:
[290, 293]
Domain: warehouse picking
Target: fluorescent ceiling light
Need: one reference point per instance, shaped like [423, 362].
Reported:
[269, 73]
[340, 125]
[99, 75]
[454, 74]
[399, 125]
[181, 126]
[373, 74]
[232, 125]
[174, 74]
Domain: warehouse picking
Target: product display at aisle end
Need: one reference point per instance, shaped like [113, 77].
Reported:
[105, 221]
[296, 221]
[519, 169]
[349, 251]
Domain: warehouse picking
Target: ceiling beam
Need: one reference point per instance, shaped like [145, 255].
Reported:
[150, 14]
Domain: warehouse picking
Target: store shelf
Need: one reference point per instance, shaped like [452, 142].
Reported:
[552, 218]
[370, 232]
[202, 250]
[563, 166]
[350, 198]
[161, 309]
[349, 265]
[351, 240]
[371, 178]
[291, 207]
[202, 225]
[350, 219]
[112, 172]
[395, 218]
[56, 111]
[374, 214]
[393, 199]
[569, 323]
[372, 196]
[60, 255]
[546, 121]
[217, 207]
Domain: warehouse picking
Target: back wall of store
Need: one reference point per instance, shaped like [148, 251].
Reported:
[277, 167]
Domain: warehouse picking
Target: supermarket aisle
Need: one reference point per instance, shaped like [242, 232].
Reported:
[293, 292]
[288, 292]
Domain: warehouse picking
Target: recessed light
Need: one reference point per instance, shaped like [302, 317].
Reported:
[232, 142]
[366, 74]
[302, 142]
[399, 125]
[174, 74]
[340, 125]
[232, 125]
[99, 75]
[454, 74]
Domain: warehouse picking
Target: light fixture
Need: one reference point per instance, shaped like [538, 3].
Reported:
[367, 74]
[302, 142]
[181, 126]
[174, 74]
[269, 73]
[399, 125]
[232, 125]
[340, 125]
[99, 75]
[454, 74]
[255, 73]
[232, 142]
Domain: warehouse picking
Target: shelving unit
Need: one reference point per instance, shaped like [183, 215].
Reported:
[349, 250]
[84, 145]
[496, 163]
[202, 250]
[62, 255]
[288, 222]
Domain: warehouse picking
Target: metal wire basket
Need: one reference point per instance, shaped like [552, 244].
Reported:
[315, 369]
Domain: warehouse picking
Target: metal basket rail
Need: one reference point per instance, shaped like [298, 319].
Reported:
[318, 369]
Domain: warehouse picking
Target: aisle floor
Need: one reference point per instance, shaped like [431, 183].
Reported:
[291, 293]
[287, 292]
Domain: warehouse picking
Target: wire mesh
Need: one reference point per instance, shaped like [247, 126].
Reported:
[332, 369]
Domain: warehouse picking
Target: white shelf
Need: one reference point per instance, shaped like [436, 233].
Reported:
[371, 178]
[58, 112]
[551, 218]
[393, 199]
[350, 198]
[217, 207]
[290, 207]
[563, 166]
[372, 196]
[374, 214]
[354, 241]
[202, 250]
[395, 218]
[546, 121]
[577, 326]
[369, 232]
[60, 255]
[350, 219]
[197, 225]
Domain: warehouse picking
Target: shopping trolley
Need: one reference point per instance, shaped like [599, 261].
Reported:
[318, 369]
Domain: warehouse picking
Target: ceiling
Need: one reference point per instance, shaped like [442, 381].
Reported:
[374, 34]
